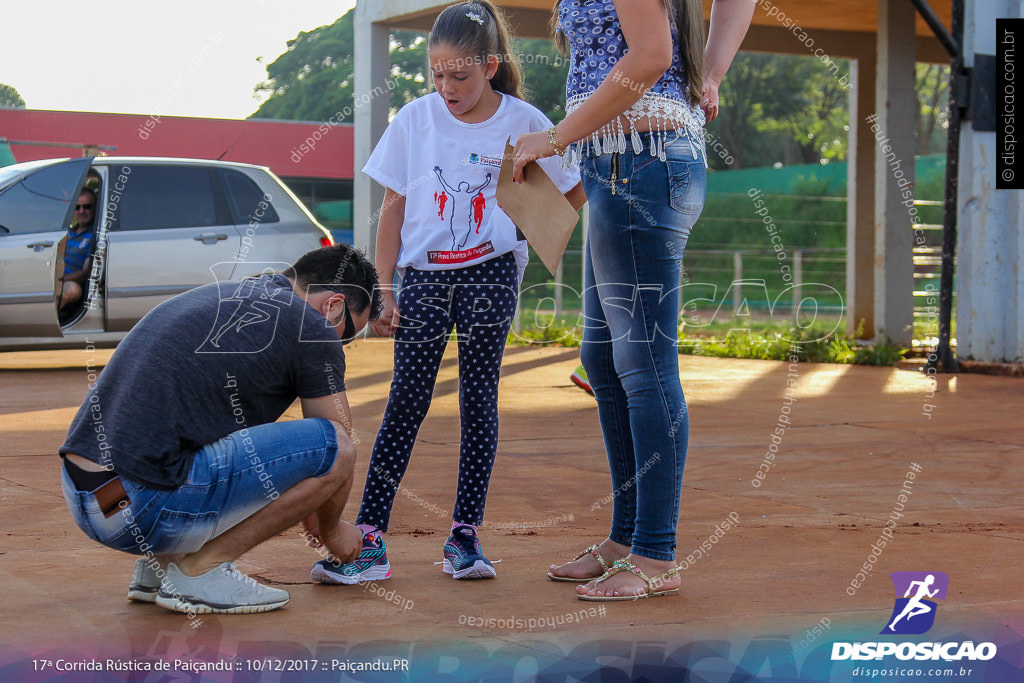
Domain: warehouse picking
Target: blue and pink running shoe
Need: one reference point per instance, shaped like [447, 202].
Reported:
[463, 558]
[371, 565]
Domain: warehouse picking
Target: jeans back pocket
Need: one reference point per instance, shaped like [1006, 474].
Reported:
[687, 181]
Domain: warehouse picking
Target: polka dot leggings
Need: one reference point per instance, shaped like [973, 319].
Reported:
[479, 302]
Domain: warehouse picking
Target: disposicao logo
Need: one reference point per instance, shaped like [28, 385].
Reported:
[913, 614]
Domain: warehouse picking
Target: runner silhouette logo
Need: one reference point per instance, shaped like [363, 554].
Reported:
[914, 610]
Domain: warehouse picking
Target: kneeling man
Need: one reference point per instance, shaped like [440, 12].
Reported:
[176, 454]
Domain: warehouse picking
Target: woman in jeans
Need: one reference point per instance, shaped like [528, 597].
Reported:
[640, 88]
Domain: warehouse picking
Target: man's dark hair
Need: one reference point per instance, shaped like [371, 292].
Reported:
[343, 269]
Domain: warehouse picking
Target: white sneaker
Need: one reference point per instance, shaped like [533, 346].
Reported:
[222, 590]
[145, 582]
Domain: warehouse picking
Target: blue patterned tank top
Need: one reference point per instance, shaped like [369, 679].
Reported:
[596, 44]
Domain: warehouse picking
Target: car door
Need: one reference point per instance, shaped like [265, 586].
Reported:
[35, 212]
[172, 231]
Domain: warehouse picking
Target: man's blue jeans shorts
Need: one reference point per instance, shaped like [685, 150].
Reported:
[230, 480]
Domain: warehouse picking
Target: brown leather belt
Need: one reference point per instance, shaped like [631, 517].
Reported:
[110, 495]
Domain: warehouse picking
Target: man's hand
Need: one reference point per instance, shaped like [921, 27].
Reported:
[345, 543]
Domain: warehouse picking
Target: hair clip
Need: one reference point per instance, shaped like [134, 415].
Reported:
[475, 17]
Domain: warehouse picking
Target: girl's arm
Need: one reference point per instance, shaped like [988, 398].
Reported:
[577, 197]
[729, 22]
[389, 239]
[648, 35]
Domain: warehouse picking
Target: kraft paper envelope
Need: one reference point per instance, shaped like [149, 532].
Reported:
[538, 208]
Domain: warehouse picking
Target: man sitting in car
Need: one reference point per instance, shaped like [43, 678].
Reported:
[78, 249]
[176, 453]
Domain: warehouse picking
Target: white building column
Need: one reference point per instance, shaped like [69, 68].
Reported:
[372, 103]
[860, 200]
[894, 172]
[990, 284]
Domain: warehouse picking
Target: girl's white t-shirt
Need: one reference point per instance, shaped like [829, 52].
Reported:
[447, 170]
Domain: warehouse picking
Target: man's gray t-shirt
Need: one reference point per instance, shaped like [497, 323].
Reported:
[209, 362]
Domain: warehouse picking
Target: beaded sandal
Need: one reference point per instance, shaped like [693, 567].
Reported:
[592, 550]
[625, 565]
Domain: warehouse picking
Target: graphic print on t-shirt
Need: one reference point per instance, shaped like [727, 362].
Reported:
[479, 204]
[441, 200]
[467, 203]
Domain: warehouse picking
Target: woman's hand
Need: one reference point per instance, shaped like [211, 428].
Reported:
[530, 147]
[709, 99]
[390, 317]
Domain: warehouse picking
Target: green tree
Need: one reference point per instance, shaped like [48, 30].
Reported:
[932, 86]
[9, 98]
[817, 118]
[758, 89]
[408, 68]
[781, 109]
[313, 80]
[793, 110]
[544, 74]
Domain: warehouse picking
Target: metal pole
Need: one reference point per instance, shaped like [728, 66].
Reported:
[36, 143]
[559, 278]
[943, 352]
[798, 278]
[737, 282]
[952, 45]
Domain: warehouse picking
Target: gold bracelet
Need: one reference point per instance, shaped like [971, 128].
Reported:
[559, 149]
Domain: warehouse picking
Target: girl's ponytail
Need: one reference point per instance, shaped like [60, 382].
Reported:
[481, 29]
[509, 77]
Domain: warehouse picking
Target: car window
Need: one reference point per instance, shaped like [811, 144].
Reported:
[248, 201]
[39, 203]
[157, 197]
[8, 173]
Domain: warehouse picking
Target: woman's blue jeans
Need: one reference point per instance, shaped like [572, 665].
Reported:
[638, 229]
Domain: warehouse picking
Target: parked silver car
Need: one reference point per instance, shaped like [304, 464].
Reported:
[162, 226]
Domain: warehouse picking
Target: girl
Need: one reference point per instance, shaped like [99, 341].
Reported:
[440, 227]
[637, 86]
